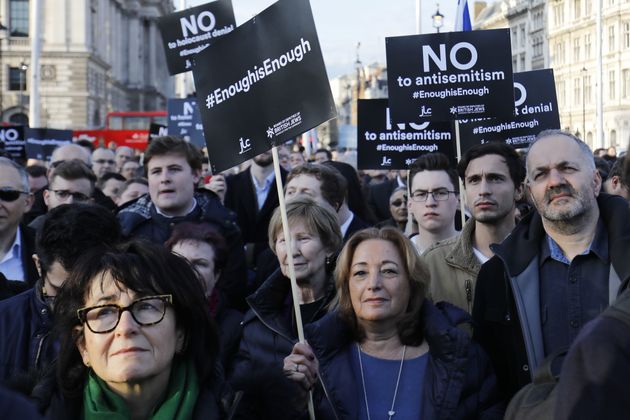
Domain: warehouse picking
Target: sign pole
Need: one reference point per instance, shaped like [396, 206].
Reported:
[462, 206]
[287, 241]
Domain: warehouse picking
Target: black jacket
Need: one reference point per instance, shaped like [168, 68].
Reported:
[378, 198]
[507, 324]
[140, 220]
[269, 335]
[459, 383]
[25, 334]
[240, 197]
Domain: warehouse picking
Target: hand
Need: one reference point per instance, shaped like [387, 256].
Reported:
[302, 366]
[218, 186]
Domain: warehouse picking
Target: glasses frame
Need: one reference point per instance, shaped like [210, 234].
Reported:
[432, 194]
[73, 194]
[82, 312]
[10, 190]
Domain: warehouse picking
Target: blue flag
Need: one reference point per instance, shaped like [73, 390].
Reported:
[462, 19]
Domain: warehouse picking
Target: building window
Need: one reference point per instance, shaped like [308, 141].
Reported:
[613, 138]
[577, 8]
[587, 7]
[626, 35]
[587, 89]
[558, 14]
[514, 38]
[561, 93]
[17, 79]
[611, 84]
[577, 90]
[576, 49]
[587, 46]
[18, 17]
[522, 44]
[625, 83]
[611, 38]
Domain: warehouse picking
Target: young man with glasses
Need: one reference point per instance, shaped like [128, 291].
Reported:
[68, 232]
[17, 242]
[71, 181]
[433, 199]
[492, 175]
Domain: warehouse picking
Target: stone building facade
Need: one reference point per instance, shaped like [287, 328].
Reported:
[97, 56]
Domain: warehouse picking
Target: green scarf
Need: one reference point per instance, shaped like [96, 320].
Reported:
[100, 402]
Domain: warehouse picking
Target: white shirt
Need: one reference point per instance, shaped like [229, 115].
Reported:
[263, 190]
[11, 265]
[482, 258]
[346, 225]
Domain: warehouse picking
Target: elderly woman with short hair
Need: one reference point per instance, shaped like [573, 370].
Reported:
[137, 340]
[269, 328]
[387, 351]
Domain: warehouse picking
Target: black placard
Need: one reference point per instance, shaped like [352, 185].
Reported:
[184, 121]
[273, 89]
[40, 142]
[382, 144]
[190, 31]
[535, 108]
[12, 142]
[449, 76]
[157, 130]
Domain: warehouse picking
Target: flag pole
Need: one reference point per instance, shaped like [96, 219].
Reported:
[287, 241]
[462, 206]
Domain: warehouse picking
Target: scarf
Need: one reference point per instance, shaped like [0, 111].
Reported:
[100, 402]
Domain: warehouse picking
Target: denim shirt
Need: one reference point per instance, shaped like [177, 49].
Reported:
[572, 292]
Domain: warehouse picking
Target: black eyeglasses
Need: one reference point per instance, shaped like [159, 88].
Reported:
[65, 194]
[9, 195]
[103, 161]
[398, 203]
[438, 195]
[149, 310]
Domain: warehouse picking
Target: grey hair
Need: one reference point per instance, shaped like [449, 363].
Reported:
[587, 153]
[21, 170]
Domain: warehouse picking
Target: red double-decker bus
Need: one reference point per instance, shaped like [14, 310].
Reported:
[124, 128]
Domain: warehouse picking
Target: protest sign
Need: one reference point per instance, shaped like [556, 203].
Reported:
[157, 130]
[184, 121]
[451, 75]
[263, 85]
[535, 109]
[382, 144]
[187, 32]
[12, 142]
[40, 142]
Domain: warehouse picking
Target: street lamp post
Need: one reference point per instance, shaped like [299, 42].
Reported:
[438, 19]
[584, 71]
[23, 68]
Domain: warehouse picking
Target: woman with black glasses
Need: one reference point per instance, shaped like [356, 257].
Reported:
[137, 340]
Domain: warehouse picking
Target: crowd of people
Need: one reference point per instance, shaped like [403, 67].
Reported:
[137, 285]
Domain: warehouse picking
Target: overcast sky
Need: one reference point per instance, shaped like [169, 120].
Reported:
[341, 24]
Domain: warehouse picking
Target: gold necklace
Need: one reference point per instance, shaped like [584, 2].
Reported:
[391, 411]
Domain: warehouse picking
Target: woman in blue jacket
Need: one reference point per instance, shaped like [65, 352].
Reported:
[387, 352]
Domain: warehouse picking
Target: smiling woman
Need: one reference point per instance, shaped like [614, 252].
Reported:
[135, 343]
[387, 351]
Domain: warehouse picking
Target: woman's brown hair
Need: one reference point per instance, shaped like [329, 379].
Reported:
[409, 325]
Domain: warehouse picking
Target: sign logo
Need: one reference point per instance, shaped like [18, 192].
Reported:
[245, 145]
[188, 108]
[425, 111]
[270, 132]
[386, 161]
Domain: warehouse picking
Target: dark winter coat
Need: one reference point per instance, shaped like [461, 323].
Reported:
[269, 335]
[459, 383]
[25, 334]
[141, 220]
[506, 308]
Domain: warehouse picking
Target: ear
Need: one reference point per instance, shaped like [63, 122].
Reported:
[38, 265]
[180, 343]
[519, 192]
[597, 183]
[46, 197]
[28, 203]
[196, 176]
[81, 347]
